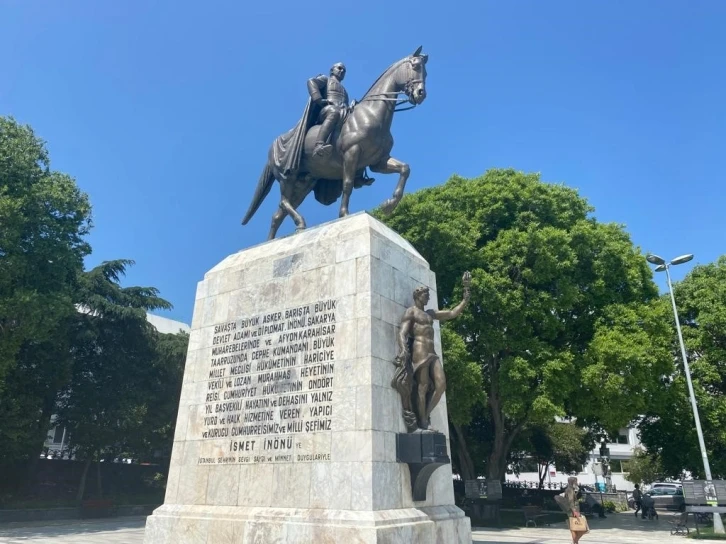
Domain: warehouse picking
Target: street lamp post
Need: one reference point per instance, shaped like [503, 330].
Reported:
[662, 265]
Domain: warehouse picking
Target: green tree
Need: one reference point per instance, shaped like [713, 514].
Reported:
[563, 445]
[464, 378]
[644, 468]
[153, 439]
[43, 220]
[113, 350]
[669, 430]
[554, 295]
[41, 369]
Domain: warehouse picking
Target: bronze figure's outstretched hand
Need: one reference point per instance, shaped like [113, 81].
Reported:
[466, 280]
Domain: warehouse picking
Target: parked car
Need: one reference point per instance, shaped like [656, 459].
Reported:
[666, 485]
[668, 498]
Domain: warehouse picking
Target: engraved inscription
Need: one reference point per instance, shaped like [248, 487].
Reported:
[269, 391]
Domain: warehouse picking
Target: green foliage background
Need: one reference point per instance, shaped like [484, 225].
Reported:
[74, 344]
[565, 319]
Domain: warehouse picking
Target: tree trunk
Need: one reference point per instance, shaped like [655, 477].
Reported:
[466, 465]
[503, 439]
[30, 471]
[497, 458]
[496, 468]
[98, 478]
[40, 433]
[82, 484]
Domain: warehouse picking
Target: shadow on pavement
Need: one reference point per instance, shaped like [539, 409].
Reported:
[622, 521]
[624, 527]
[69, 527]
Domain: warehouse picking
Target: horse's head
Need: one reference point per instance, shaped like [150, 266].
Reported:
[411, 76]
[407, 75]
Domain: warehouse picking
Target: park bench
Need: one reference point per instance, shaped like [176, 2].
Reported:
[531, 514]
[97, 508]
[700, 511]
[680, 525]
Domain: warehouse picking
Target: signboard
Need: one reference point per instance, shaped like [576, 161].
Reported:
[720, 486]
[704, 492]
[475, 489]
[483, 489]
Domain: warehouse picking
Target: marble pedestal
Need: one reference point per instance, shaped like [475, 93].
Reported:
[287, 421]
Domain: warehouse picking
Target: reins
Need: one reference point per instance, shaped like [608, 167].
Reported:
[392, 96]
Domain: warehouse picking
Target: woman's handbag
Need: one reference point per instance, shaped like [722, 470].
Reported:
[579, 524]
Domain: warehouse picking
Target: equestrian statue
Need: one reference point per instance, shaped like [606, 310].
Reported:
[335, 141]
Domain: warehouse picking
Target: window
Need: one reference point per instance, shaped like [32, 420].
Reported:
[57, 435]
[664, 491]
[622, 439]
[616, 465]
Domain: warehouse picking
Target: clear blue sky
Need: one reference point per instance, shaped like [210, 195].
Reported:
[163, 111]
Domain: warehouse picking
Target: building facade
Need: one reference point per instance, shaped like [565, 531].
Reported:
[621, 452]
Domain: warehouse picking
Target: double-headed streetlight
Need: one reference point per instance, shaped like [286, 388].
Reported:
[662, 265]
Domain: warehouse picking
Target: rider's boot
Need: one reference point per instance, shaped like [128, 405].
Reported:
[363, 180]
[322, 148]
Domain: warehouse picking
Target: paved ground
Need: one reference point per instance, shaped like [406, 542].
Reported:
[126, 530]
[616, 529]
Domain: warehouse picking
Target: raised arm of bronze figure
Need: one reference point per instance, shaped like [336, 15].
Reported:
[446, 315]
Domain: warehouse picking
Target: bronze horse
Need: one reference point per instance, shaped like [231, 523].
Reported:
[363, 141]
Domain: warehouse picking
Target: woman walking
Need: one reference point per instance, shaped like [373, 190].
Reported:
[576, 521]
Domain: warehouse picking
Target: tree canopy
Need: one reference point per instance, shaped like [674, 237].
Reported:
[113, 349]
[644, 468]
[75, 344]
[557, 300]
[43, 220]
[668, 429]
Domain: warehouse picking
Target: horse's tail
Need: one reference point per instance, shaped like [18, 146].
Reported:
[263, 188]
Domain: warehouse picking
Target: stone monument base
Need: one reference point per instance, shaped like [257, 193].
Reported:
[288, 426]
[235, 525]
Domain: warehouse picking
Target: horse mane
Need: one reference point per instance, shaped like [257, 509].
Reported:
[386, 72]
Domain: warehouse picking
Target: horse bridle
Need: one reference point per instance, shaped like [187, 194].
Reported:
[392, 96]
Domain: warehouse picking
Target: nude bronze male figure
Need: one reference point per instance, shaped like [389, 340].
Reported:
[420, 377]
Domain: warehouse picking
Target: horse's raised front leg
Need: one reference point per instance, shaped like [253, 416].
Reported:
[350, 167]
[389, 167]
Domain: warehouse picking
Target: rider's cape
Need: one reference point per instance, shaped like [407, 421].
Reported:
[287, 150]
